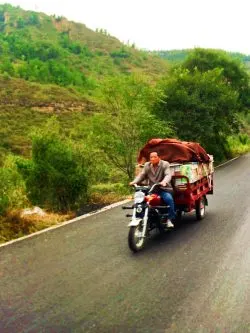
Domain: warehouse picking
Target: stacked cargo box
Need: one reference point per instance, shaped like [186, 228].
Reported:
[193, 170]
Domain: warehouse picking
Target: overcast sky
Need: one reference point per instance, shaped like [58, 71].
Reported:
[159, 24]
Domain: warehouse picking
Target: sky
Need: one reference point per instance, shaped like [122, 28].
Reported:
[159, 24]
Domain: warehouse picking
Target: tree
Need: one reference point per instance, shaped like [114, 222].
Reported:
[33, 19]
[2, 17]
[201, 106]
[233, 70]
[7, 67]
[2, 20]
[125, 123]
[20, 23]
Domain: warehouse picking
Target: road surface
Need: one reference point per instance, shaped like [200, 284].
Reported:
[83, 278]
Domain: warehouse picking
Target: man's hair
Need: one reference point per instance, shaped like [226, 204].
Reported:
[154, 152]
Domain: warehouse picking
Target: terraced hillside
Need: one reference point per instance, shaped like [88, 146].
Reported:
[49, 65]
[50, 49]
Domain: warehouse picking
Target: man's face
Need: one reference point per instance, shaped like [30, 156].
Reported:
[154, 158]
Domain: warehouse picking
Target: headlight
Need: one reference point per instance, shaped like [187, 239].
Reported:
[139, 197]
[139, 209]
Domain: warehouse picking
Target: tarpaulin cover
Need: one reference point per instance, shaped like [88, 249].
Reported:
[173, 150]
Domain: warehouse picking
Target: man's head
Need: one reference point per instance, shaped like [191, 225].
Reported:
[154, 158]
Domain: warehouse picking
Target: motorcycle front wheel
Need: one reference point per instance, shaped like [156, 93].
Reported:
[135, 240]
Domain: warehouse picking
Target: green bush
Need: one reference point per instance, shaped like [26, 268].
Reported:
[57, 176]
[12, 187]
[121, 53]
[33, 19]
[239, 144]
[244, 139]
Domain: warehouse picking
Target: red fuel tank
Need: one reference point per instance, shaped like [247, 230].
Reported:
[154, 200]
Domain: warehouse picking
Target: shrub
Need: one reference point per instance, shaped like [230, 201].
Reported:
[121, 53]
[56, 177]
[33, 19]
[239, 144]
[12, 187]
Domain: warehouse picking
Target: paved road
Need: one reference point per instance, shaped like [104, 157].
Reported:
[83, 278]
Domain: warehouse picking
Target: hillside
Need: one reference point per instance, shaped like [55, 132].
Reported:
[49, 49]
[177, 56]
[49, 65]
[24, 104]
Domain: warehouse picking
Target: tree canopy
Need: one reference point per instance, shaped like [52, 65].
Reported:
[201, 107]
[233, 70]
[125, 123]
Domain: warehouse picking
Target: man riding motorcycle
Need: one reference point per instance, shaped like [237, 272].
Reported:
[158, 171]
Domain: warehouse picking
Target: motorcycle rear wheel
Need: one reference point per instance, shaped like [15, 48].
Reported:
[135, 241]
[200, 208]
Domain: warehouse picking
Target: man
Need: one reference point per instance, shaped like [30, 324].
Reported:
[158, 171]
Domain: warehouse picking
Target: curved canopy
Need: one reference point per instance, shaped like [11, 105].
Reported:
[173, 150]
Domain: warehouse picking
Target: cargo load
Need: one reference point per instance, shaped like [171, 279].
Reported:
[193, 170]
[187, 159]
[173, 151]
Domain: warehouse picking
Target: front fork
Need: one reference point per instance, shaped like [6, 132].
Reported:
[145, 222]
[136, 221]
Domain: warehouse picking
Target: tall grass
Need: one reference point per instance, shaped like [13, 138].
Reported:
[16, 225]
[239, 144]
[106, 193]
[12, 187]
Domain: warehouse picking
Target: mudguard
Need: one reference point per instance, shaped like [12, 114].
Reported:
[134, 222]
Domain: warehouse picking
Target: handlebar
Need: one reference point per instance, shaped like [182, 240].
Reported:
[137, 187]
[153, 187]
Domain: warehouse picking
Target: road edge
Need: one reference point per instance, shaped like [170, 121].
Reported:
[116, 204]
[220, 165]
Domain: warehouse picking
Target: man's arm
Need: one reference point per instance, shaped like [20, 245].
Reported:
[140, 177]
[167, 175]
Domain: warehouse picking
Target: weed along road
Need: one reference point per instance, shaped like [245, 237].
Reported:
[83, 278]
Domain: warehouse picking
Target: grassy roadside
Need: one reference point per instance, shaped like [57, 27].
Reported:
[15, 225]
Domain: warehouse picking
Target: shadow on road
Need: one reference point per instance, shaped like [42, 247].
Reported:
[186, 230]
